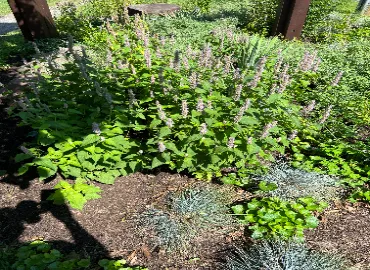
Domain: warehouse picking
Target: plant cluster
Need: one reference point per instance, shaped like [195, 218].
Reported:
[187, 214]
[150, 106]
[293, 183]
[280, 255]
[40, 255]
[326, 20]
[272, 217]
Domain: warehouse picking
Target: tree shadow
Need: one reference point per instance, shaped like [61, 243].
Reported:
[13, 222]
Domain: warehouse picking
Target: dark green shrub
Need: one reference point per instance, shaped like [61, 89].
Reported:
[272, 217]
[40, 255]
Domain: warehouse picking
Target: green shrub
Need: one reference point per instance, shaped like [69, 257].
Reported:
[101, 122]
[272, 217]
[280, 255]
[41, 255]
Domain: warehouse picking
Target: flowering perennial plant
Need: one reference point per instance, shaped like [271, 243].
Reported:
[151, 105]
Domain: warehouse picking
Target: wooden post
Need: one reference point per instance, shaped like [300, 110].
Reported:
[363, 5]
[33, 18]
[291, 17]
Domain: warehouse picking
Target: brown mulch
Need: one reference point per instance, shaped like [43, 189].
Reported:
[344, 230]
[107, 227]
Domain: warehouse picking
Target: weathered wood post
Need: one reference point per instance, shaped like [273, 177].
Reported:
[363, 5]
[291, 16]
[34, 18]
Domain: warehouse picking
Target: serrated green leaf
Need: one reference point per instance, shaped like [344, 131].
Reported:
[90, 139]
[45, 172]
[106, 178]
[238, 209]
[156, 162]
[47, 163]
[164, 131]
[20, 157]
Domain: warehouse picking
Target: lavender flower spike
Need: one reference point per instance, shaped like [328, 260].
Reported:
[200, 105]
[203, 129]
[161, 113]
[309, 108]
[95, 128]
[326, 114]
[231, 142]
[238, 92]
[337, 78]
[184, 108]
[240, 114]
[161, 147]
[267, 128]
[260, 69]
[169, 123]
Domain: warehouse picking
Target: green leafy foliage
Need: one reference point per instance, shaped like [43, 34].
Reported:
[272, 217]
[76, 195]
[138, 124]
[117, 265]
[281, 255]
[40, 255]
[221, 100]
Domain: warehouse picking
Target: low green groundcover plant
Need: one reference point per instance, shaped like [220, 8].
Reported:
[272, 217]
[40, 255]
[281, 255]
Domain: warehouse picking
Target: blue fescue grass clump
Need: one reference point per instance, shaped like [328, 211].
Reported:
[187, 214]
[280, 255]
[294, 183]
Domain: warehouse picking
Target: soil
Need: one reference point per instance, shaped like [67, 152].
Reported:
[107, 227]
[344, 230]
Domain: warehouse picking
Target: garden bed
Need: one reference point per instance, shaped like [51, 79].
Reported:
[183, 142]
[107, 227]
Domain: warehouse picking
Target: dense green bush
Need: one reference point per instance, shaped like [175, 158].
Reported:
[272, 217]
[199, 110]
[280, 255]
[151, 106]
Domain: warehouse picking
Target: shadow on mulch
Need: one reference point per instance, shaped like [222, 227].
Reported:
[108, 227]
[344, 230]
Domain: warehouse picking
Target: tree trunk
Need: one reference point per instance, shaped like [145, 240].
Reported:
[33, 18]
